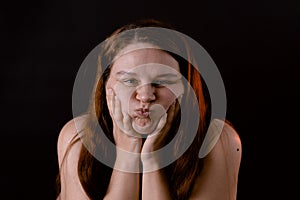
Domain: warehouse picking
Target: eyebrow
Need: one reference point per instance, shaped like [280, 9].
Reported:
[169, 75]
[120, 73]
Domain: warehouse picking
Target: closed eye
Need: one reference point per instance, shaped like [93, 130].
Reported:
[160, 83]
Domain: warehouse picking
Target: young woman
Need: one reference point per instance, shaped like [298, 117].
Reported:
[147, 99]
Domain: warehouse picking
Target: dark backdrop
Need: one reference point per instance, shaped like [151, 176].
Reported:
[254, 44]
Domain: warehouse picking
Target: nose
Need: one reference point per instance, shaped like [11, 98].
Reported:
[145, 93]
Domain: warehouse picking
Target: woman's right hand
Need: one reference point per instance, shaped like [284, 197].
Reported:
[125, 136]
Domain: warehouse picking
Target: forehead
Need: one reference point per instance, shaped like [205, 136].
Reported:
[144, 57]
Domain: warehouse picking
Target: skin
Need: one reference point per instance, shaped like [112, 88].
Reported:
[143, 79]
[218, 180]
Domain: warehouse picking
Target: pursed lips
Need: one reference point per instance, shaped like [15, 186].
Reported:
[142, 113]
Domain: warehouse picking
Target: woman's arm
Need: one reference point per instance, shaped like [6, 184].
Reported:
[219, 177]
[154, 183]
[124, 182]
[68, 156]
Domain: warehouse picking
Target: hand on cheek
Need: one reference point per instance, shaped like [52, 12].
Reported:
[157, 140]
[124, 135]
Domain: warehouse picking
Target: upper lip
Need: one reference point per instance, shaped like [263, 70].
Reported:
[142, 113]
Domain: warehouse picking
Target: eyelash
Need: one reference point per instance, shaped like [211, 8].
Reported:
[130, 82]
[162, 82]
[157, 83]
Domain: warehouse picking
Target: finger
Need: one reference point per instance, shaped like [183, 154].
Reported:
[160, 134]
[162, 122]
[117, 110]
[160, 127]
[170, 117]
[110, 101]
[128, 126]
[126, 122]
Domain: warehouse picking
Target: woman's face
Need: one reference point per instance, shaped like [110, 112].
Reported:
[146, 81]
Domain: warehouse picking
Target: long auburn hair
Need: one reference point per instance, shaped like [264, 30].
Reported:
[182, 173]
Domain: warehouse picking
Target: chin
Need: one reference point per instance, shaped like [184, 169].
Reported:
[145, 128]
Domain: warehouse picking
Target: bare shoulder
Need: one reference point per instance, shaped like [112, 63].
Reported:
[230, 140]
[68, 149]
[219, 176]
[68, 135]
[227, 152]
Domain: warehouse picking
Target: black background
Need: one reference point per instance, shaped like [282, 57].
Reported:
[255, 45]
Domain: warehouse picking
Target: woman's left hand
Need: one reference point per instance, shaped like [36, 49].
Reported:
[156, 140]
